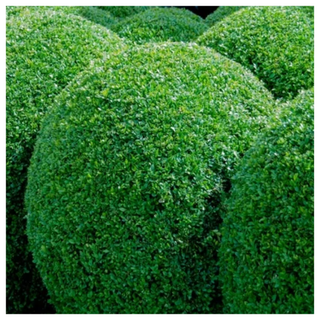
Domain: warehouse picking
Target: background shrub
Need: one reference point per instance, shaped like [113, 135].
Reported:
[276, 43]
[44, 52]
[124, 11]
[266, 255]
[96, 15]
[220, 14]
[161, 24]
[93, 14]
[127, 177]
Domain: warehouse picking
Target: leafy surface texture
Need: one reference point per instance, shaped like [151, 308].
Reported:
[127, 178]
[45, 50]
[275, 43]
[266, 255]
[161, 24]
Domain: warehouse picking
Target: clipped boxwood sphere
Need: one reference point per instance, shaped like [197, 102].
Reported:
[161, 24]
[276, 43]
[128, 174]
[44, 52]
[266, 255]
[124, 11]
[220, 14]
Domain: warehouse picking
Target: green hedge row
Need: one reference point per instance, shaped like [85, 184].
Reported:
[126, 181]
[266, 255]
[276, 43]
[44, 51]
[161, 24]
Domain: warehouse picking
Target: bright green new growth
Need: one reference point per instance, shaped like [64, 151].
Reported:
[44, 52]
[276, 43]
[124, 11]
[93, 14]
[220, 14]
[128, 174]
[161, 24]
[266, 255]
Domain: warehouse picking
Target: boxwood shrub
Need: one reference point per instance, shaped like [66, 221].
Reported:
[44, 52]
[161, 24]
[266, 255]
[96, 15]
[124, 11]
[127, 178]
[93, 14]
[276, 43]
[220, 14]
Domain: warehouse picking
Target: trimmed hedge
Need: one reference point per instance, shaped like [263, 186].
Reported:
[161, 24]
[93, 14]
[266, 255]
[127, 177]
[276, 43]
[220, 14]
[44, 52]
[124, 11]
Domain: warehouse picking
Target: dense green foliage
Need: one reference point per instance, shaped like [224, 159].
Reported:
[96, 15]
[276, 43]
[161, 24]
[220, 14]
[44, 52]
[127, 178]
[90, 13]
[266, 255]
[309, 10]
[124, 11]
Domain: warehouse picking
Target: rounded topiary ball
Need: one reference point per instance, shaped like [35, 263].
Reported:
[266, 255]
[44, 50]
[276, 43]
[161, 24]
[127, 178]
